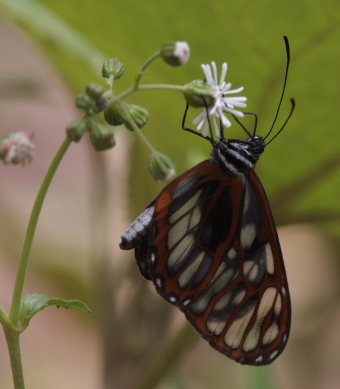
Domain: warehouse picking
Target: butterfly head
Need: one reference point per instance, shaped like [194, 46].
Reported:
[239, 155]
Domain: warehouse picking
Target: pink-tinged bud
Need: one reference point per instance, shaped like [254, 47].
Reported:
[17, 148]
[175, 53]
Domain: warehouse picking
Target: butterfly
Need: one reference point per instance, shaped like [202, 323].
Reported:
[209, 244]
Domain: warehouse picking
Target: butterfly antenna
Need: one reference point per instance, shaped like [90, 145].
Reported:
[286, 121]
[284, 86]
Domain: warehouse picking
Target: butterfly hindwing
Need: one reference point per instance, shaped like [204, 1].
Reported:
[245, 310]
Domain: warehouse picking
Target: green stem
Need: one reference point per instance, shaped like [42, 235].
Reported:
[12, 337]
[137, 130]
[32, 224]
[145, 65]
[132, 89]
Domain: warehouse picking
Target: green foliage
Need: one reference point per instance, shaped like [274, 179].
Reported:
[34, 303]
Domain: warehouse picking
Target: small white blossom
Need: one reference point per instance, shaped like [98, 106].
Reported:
[16, 148]
[223, 103]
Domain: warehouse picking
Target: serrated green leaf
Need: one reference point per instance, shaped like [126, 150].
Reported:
[34, 303]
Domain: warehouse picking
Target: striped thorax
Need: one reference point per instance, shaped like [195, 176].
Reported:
[238, 156]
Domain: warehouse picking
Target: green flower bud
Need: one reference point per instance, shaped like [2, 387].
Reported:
[118, 113]
[114, 112]
[84, 101]
[112, 68]
[199, 94]
[175, 53]
[101, 135]
[161, 167]
[94, 90]
[139, 115]
[76, 130]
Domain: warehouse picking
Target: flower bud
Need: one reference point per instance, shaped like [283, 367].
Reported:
[114, 112]
[199, 94]
[175, 53]
[85, 102]
[101, 104]
[118, 113]
[113, 68]
[161, 167]
[94, 90]
[17, 148]
[139, 115]
[76, 130]
[101, 135]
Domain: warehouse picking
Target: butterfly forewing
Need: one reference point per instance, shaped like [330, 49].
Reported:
[193, 227]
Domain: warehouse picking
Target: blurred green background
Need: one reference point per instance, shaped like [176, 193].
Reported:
[134, 339]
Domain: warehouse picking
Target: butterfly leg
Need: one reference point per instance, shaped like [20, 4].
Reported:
[244, 127]
[184, 127]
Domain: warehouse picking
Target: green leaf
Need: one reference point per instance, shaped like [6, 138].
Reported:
[34, 303]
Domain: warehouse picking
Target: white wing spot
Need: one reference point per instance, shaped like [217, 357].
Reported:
[248, 234]
[172, 299]
[284, 339]
[153, 257]
[232, 253]
[283, 291]
[259, 358]
[273, 354]
[158, 282]
[186, 302]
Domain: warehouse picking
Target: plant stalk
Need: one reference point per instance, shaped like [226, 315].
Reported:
[31, 228]
[12, 337]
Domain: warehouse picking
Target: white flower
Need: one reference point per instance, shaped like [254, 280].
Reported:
[223, 103]
[16, 148]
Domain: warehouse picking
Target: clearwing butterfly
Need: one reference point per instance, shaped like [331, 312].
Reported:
[209, 244]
